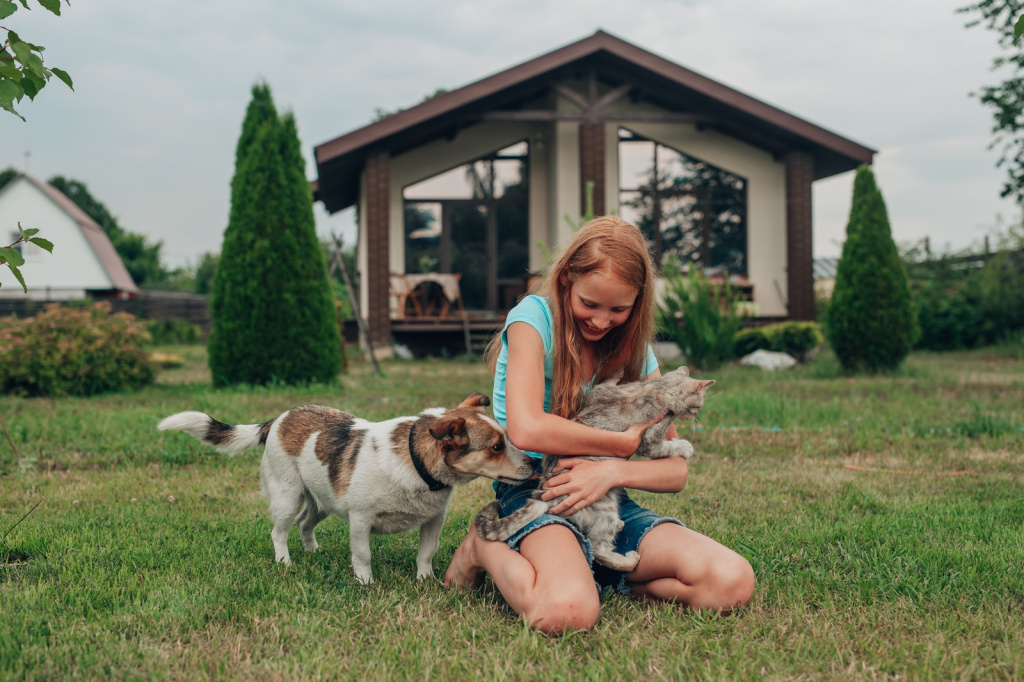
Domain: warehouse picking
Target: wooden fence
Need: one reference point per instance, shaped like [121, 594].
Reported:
[153, 305]
[148, 305]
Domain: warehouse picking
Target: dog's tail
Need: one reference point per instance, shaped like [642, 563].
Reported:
[223, 437]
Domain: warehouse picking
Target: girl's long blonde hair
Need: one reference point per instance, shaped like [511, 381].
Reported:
[605, 244]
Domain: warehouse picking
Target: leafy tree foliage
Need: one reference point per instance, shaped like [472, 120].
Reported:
[22, 71]
[272, 309]
[205, 270]
[965, 299]
[870, 324]
[6, 175]
[1005, 99]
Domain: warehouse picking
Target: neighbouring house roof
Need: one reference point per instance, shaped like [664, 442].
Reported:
[615, 62]
[825, 268]
[94, 234]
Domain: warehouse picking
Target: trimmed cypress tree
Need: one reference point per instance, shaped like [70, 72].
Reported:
[273, 314]
[871, 324]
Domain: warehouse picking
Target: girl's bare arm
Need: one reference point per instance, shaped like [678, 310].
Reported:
[531, 428]
[585, 481]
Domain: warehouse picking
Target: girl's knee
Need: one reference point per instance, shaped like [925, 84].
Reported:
[735, 583]
[574, 609]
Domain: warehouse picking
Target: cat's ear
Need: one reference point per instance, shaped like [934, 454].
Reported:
[704, 385]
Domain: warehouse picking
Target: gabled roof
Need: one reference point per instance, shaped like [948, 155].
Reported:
[615, 62]
[94, 234]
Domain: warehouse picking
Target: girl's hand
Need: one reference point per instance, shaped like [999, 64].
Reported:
[636, 433]
[582, 481]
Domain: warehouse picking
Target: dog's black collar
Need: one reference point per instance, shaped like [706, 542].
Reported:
[421, 469]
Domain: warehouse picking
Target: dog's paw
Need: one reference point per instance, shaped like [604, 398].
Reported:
[421, 575]
[632, 558]
[364, 579]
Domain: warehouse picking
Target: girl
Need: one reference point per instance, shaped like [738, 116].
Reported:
[595, 320]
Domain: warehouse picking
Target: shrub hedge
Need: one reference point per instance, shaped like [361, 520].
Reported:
[164, 332]
[73, 351]
[871, 323]
[796, 338]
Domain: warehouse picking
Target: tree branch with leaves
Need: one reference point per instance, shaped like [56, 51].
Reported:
[1005, 99]
[22, 70]
[12, 258]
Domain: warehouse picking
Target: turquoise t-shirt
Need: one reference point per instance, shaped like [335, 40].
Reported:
[534, 311]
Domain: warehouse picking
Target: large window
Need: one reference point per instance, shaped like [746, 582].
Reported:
[473, 220]
[685, 206]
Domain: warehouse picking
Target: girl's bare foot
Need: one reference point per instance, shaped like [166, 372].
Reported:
[464, 570]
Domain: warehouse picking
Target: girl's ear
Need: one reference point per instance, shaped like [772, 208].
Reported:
[563, 278]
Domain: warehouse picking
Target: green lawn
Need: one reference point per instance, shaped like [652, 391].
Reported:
[884, 518]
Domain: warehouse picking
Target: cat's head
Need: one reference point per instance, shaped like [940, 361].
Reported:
[687, 394]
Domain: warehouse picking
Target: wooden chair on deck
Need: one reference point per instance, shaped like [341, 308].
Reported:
[426, 296]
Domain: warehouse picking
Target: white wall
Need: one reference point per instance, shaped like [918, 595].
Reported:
[72, 266]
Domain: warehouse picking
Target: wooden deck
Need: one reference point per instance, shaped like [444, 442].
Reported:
[478, 324]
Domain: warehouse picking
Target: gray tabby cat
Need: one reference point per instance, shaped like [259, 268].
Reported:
[613, 408]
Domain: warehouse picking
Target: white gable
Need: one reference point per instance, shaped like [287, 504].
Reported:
[73, 265]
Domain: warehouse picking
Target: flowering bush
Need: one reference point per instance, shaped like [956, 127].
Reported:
[73, 351]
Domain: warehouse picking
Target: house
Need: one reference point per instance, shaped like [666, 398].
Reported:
[83, 261]
[478, 182]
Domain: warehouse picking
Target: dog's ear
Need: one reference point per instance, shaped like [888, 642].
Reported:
[475, 399]
[448, 428]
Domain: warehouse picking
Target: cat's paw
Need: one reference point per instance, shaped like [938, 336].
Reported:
[685, 448]
[674, 448]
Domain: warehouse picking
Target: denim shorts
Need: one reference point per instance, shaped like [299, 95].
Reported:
[638, 522]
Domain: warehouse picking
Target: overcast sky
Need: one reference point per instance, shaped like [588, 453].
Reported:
[161, 88]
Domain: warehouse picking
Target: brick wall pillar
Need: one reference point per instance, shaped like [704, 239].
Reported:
[592, 165]
[378, 195]
[799, 251]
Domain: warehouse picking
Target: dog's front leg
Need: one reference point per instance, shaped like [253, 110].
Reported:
[430, 534]
[359, 526]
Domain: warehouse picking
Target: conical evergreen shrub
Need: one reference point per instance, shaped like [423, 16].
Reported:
[272, 309]
[871, 324]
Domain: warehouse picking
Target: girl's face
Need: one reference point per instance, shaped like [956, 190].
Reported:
[599, 302]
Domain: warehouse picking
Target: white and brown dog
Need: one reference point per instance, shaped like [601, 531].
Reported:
[384, 477]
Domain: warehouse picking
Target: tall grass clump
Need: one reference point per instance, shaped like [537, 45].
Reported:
[700, 317]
